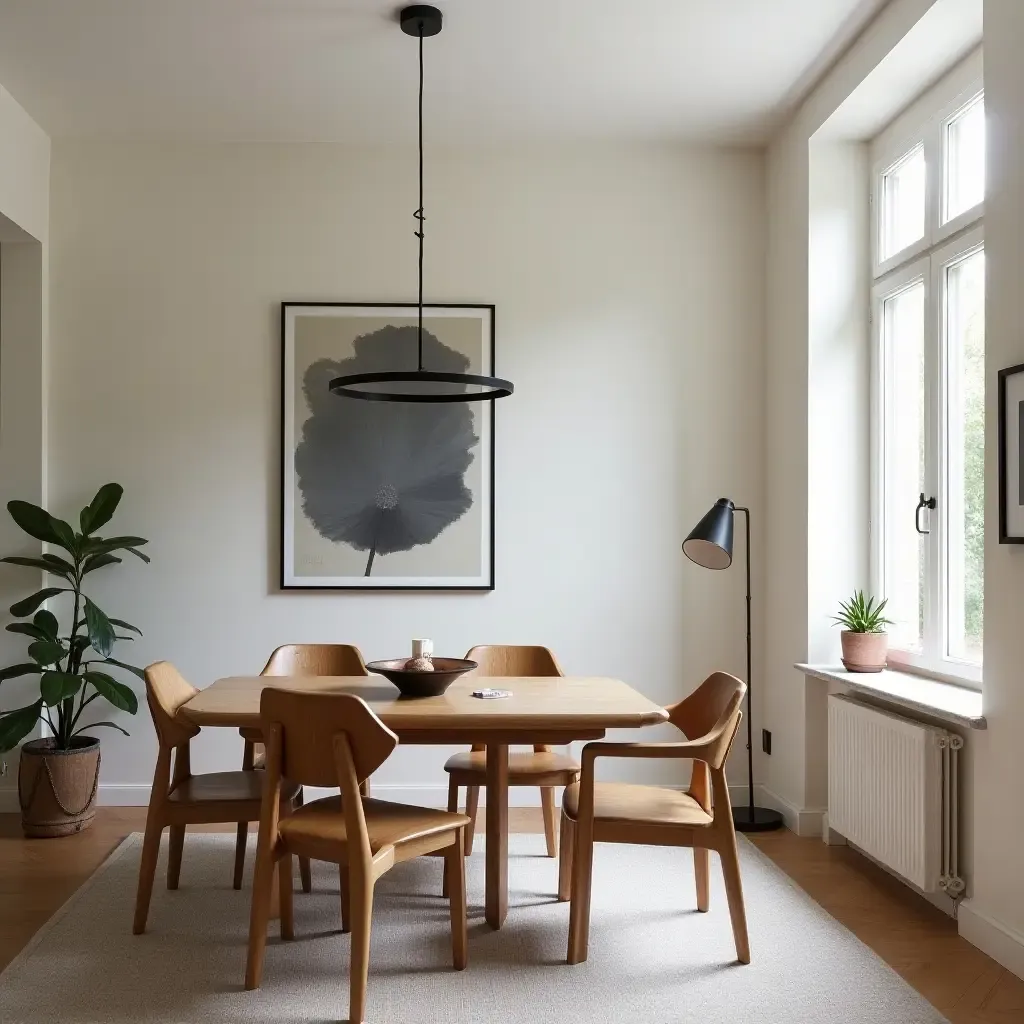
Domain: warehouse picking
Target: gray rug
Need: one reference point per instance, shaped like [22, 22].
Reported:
[653, 958]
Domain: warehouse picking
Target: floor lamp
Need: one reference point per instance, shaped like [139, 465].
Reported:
[710, 545]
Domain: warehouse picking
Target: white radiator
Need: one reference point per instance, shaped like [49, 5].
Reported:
[892, 792]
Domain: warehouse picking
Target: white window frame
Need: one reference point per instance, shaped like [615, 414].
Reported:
[925, 260]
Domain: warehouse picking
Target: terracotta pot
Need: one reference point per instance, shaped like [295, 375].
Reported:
[864, 652]
[57, 788]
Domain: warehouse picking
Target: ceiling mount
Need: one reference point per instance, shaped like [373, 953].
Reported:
[420, 20]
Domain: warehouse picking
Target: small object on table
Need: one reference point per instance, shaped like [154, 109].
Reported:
[422, 655]
[490, 694]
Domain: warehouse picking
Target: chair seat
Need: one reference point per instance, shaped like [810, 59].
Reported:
[321, 824]
[649, 805]
[226, 787]
[523, 768]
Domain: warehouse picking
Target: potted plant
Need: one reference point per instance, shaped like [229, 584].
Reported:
[865, 642]
[58, 775]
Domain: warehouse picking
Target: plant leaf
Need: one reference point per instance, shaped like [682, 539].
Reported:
[101, 725]
[28, 605]
[101, 632]
[141, 673]
[16, 725]
[121, 696]
[98, 512]
[38, 523]
[126, 625]
[45, 652]
[99, 545]
[47, 622]
[98, 561]
[27, 628]
[139, 554]
[24, 669]
[58, 686]
[65, 569]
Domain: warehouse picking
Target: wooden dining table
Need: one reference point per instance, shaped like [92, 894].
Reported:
[553, 710]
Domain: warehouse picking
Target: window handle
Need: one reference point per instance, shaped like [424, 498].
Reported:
[923, 503]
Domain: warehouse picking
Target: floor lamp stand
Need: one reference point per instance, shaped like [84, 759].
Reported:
[751, 818]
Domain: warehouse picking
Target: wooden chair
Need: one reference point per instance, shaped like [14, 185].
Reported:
[178, 797]
[321, 739]
[648, 815]
[543, 768]
[293, 660]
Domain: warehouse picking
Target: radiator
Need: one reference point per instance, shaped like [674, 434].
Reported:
[893, 792]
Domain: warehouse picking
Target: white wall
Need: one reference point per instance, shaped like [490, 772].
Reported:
[805, 351]
[24, 169]
[629, 291]
[994, 918]
[24, 217]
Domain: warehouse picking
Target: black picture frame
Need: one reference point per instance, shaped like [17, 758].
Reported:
[1009, 533]
[486, 409]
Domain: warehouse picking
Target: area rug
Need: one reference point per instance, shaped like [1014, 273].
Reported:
[653, 958]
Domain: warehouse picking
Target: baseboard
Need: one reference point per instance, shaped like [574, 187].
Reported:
[426, 794]
[1002, 943]
[802, 821]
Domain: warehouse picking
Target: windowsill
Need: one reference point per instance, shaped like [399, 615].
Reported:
[946, 701]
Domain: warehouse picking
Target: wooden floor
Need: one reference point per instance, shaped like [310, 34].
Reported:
[920, 943]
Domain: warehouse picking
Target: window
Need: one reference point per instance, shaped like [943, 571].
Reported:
[928, 317]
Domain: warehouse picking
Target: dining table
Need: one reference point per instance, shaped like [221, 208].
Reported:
[550, 710]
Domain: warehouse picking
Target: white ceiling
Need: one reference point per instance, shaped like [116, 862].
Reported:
[341, 70]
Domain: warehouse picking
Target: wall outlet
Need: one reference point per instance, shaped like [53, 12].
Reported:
[766, 741]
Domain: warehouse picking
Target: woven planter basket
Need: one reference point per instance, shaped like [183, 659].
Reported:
[57, 788]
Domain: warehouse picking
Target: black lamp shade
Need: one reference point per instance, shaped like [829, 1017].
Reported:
[710, 541]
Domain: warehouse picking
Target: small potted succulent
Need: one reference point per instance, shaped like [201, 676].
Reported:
[58, 774]
[865, 642]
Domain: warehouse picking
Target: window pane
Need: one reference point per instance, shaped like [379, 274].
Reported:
[965, 159]
[903, 203]
[965, 354]
[904, 455]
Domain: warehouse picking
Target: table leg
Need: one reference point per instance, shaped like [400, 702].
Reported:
[496, 847]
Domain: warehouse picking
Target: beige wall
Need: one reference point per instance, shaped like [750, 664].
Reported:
[629, 290]
[994, 918]
[24, 216]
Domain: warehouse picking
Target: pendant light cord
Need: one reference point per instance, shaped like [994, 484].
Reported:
[419, 213]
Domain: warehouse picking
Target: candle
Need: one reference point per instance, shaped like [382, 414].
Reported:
[422, 648]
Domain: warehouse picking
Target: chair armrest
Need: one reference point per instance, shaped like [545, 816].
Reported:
[687, 749]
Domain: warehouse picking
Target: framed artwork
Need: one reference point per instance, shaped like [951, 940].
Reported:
[384, 495]
[1011, 455]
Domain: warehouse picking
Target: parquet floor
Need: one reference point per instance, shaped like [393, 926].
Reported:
[920, 943]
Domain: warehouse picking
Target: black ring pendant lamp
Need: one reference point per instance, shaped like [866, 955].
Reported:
[420, 385]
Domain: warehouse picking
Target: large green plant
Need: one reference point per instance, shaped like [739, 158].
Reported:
[71, 667]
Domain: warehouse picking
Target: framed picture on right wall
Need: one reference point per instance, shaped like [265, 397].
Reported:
[1011, 455]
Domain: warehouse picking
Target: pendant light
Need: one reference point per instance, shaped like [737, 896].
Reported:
[420, 385]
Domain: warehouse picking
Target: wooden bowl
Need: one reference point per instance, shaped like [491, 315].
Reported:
[422, 684]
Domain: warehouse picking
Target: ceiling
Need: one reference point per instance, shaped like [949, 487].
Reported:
[341, 70]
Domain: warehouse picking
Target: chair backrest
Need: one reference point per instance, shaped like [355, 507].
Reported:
[166, 691]
[509, 660]
[316, 660]
[308, 725]
[712, 712]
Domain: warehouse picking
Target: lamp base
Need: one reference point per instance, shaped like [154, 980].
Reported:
[763, 819]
